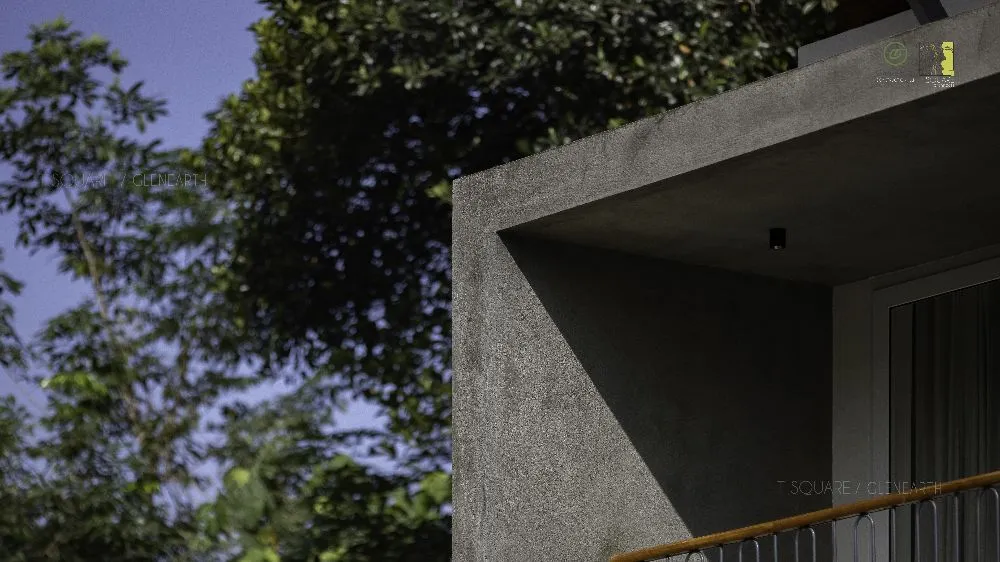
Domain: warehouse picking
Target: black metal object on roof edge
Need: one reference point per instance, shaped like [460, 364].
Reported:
[928, 10]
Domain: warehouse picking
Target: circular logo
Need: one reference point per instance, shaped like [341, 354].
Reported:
[894, 53]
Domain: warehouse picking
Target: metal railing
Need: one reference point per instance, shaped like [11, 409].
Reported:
[948, 522]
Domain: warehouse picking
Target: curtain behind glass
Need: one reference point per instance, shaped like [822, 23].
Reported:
[955, 404]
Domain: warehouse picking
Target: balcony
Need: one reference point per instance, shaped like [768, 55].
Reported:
[956, 521]
[637, 363]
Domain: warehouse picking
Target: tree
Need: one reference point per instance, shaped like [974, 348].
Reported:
[292, 490]
[127, 373]
[130, 373]
[312, 245]
[340, 153]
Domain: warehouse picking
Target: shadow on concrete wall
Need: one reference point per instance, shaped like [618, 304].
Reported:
[720, 380]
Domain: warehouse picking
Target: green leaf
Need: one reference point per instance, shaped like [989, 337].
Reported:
[333, 555]
[237, 477]
[260, 554]
[440, 190]
[393, 18]
[438, 486]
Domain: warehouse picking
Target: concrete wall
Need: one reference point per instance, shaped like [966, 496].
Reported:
[606, 402]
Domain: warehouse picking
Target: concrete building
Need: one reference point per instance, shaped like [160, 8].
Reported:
[773, 301]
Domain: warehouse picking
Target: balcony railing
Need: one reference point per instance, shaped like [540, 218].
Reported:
[957, 521]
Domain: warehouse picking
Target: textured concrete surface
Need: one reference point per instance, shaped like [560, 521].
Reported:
[900, 188]
[626, 401]
[606, 401]
[655, 153]
[897, 176]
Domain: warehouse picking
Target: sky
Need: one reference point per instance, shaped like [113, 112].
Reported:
[192, 53]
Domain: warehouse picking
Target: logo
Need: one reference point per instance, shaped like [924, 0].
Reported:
[894, 53]
[937, 59]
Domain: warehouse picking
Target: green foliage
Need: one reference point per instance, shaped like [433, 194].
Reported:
[11, 347]
[339, 157]
[290, 491]
[340, 154]
[311, 249]
[127, 373]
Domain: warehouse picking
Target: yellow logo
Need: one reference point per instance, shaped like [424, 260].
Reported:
[948, 60]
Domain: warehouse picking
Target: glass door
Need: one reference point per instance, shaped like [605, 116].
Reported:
[944, 363]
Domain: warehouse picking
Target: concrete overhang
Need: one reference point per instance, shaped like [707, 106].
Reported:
[871, 168]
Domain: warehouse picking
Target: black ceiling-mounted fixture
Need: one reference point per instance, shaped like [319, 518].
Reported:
[778, 239]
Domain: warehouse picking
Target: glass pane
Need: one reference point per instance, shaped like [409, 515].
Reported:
[952, 418]
[956, 384]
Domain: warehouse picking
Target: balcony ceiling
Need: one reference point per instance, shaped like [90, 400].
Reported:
[911, 184]
[898, 187]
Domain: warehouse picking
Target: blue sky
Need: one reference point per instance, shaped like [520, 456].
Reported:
[193, 54]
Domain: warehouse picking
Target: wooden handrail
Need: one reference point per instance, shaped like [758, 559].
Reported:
[806, 519]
